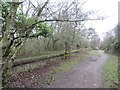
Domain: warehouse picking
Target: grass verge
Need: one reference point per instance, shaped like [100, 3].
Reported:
[35, 62]
[77, 57]
[94, 52]
[69, 64]
[110, 72]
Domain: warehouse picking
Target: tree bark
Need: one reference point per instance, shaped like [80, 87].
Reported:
[7, 43]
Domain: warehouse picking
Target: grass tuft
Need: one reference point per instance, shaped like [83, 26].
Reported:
[110, 73]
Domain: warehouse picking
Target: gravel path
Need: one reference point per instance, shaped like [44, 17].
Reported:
[86, 74]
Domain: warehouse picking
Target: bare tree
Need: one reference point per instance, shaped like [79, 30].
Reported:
[67, 15]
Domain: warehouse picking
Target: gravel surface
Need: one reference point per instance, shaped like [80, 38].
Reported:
[86, 74]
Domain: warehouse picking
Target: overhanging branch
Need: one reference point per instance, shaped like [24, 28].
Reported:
[62, 20]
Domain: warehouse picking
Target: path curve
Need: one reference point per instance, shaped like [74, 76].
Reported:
[86, 74]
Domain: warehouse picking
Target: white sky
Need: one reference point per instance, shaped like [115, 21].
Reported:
[107, 8]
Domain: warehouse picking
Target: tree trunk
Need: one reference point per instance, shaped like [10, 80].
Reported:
[54, 41]
[48, 44]
[45, 43]
[7, 45]
[66, 54]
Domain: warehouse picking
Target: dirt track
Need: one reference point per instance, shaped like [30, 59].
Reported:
[86, 74]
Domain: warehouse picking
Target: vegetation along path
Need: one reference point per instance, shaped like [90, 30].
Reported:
[81, 70]
[86, 74]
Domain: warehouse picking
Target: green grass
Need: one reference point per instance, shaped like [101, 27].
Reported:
[34, 65]
[94, 53]
[37, 58]
[69, 64]
[64, 67]
[43, 54]
[110, 72]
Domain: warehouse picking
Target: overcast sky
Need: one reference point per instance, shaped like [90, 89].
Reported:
[106, 7]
